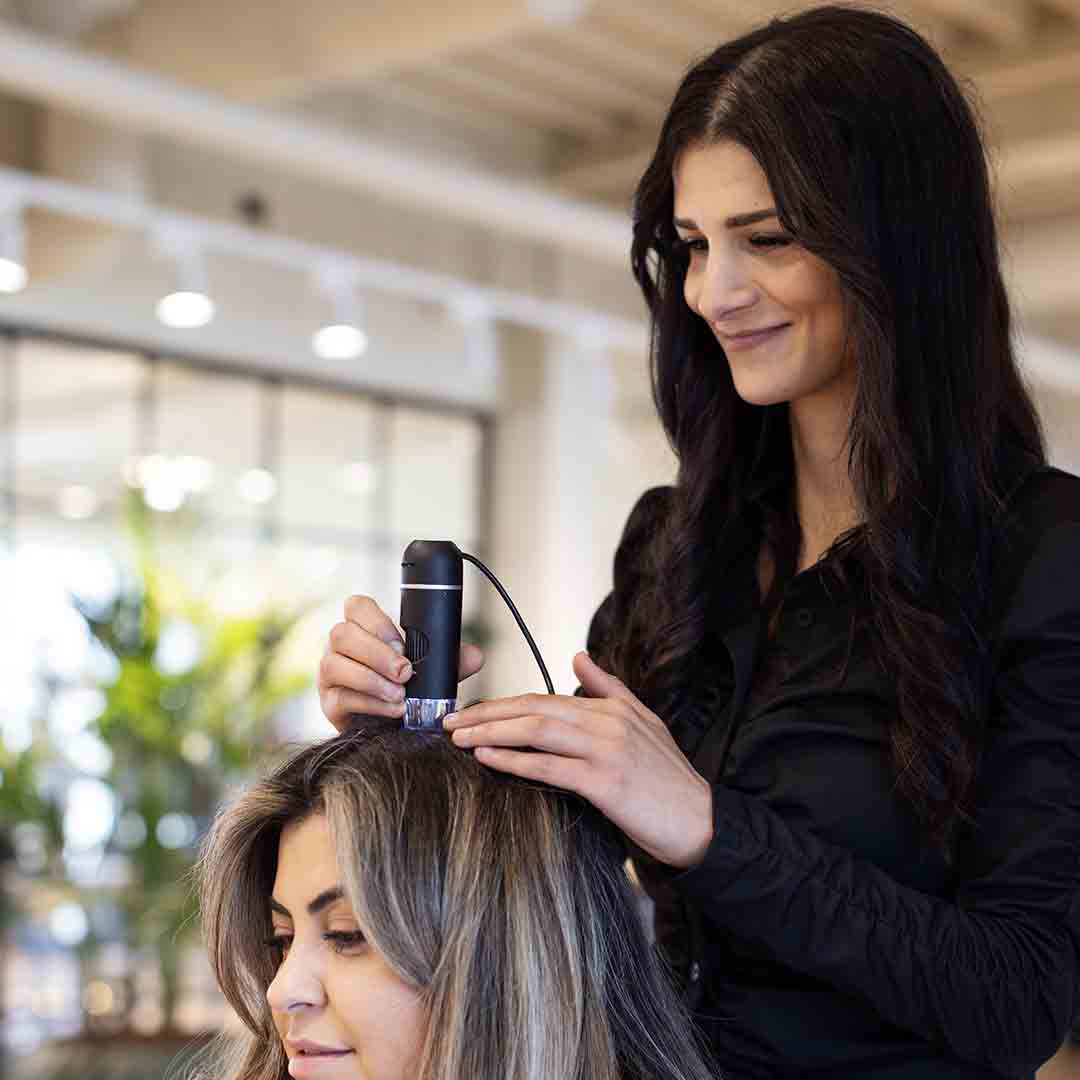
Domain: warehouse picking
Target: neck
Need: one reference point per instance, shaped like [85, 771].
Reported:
[824, 495]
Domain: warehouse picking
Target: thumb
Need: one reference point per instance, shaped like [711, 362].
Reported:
[595, 681]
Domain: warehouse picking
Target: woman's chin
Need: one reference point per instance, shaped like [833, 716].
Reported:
[760, 393]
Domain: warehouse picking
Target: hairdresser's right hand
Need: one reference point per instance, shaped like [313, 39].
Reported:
[363, 670]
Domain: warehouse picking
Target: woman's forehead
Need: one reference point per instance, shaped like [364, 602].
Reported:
[306, 863]
[719, 180]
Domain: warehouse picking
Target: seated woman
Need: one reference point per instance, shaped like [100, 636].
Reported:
[382, 906]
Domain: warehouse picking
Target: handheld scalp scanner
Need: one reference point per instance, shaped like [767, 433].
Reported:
[431, 619]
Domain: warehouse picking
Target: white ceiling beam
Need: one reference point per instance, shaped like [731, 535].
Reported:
[498, 95]
[275, 249]
[35, 67]
[681, 36]
[461, 115]
[616, 55]
[601, 169]
[596, 90]
[275, 49]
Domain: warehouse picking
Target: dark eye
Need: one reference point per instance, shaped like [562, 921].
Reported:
[683, 247]
[340, 940]
[764, 241]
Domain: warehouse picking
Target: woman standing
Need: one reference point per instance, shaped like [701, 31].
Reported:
[833, 699]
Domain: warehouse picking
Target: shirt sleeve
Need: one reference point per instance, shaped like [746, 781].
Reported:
[994, 974]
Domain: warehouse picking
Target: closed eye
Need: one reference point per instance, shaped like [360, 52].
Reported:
[689, 245]
[340, 940]
[770, 241]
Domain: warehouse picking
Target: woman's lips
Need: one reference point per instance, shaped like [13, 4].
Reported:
[310, 1064]
[749, 341]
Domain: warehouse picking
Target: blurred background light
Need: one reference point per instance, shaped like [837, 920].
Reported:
[185, 309]
[257, 486]
[68, 923]
[339, 341]
[89, 814]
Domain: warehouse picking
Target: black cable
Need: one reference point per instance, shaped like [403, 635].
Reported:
[524, 629]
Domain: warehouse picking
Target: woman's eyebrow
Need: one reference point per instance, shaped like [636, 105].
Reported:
[325, 898]
[735, 222]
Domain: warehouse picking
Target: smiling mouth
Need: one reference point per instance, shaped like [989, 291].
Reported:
[749, 333]
[747, 341]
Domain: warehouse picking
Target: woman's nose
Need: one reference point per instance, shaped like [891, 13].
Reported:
[294, 986]
[723, 288]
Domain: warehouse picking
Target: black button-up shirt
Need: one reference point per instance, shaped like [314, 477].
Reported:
[821, 935]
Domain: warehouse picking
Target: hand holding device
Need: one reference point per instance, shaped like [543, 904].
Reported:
[362, 670]
[359, 670]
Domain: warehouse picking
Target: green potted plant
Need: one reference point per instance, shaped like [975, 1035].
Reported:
[177, 737]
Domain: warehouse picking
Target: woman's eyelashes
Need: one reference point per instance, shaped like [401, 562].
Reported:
[689, 245]
[339, 941]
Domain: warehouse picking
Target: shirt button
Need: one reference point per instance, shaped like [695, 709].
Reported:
[804, 617]
[695, 971]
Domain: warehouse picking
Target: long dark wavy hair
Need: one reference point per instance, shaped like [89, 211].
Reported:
[876, 163]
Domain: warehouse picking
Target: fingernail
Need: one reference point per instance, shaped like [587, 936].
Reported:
[404, 669]
[397, 647]
[447, 720]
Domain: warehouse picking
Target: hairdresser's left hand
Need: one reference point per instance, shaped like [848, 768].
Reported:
[610, 749]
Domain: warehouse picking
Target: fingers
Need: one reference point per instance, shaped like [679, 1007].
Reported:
[571, 774]
[596, 682]
[555, 735]
[363, 613]
[351, 650]
[526, 705]
[338, 670]
[367, 614]
[363, 671]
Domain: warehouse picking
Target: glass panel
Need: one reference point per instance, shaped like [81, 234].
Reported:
[433, 477]
[332, 466]
[8, 372]
[434, 492]
[75, 429]
[208, 429]
[355, 482]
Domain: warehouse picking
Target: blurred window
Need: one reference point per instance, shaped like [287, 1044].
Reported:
[263, 492]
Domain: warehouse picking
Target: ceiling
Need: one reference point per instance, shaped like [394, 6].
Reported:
[591, 80]
[594, 78]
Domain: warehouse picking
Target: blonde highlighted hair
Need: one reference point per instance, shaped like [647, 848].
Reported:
[505, 903]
